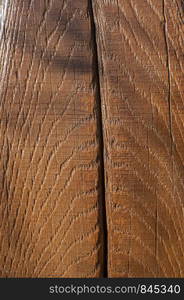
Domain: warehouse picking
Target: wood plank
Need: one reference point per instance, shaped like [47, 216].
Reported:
[141, 73]
[174, 17]
[50, 215]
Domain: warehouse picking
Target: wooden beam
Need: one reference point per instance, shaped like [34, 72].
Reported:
[51, 222]
[141, 77]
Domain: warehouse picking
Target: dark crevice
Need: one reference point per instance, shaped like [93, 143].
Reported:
[169, 92]
[169, 76]
[96, 83]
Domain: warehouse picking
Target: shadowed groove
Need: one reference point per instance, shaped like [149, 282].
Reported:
[100, 122]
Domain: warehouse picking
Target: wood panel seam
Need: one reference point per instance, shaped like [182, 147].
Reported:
[169, 76]
[96, 83]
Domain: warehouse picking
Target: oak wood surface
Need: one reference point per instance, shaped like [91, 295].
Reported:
[50, 186]
[91, 138]
[141, 78]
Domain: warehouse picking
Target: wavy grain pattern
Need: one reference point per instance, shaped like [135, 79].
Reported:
[91, 88]
[50, 185]
[140, 50]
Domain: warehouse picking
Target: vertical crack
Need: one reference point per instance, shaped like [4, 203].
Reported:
[169, 76]
[96, 82]
[169, 93]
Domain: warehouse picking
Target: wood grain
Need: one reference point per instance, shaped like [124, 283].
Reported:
[140, 51]
[91, 138]
[50, 180]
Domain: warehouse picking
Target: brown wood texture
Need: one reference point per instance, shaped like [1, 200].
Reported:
[91, 138]
[141, 77]
[50, 221]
